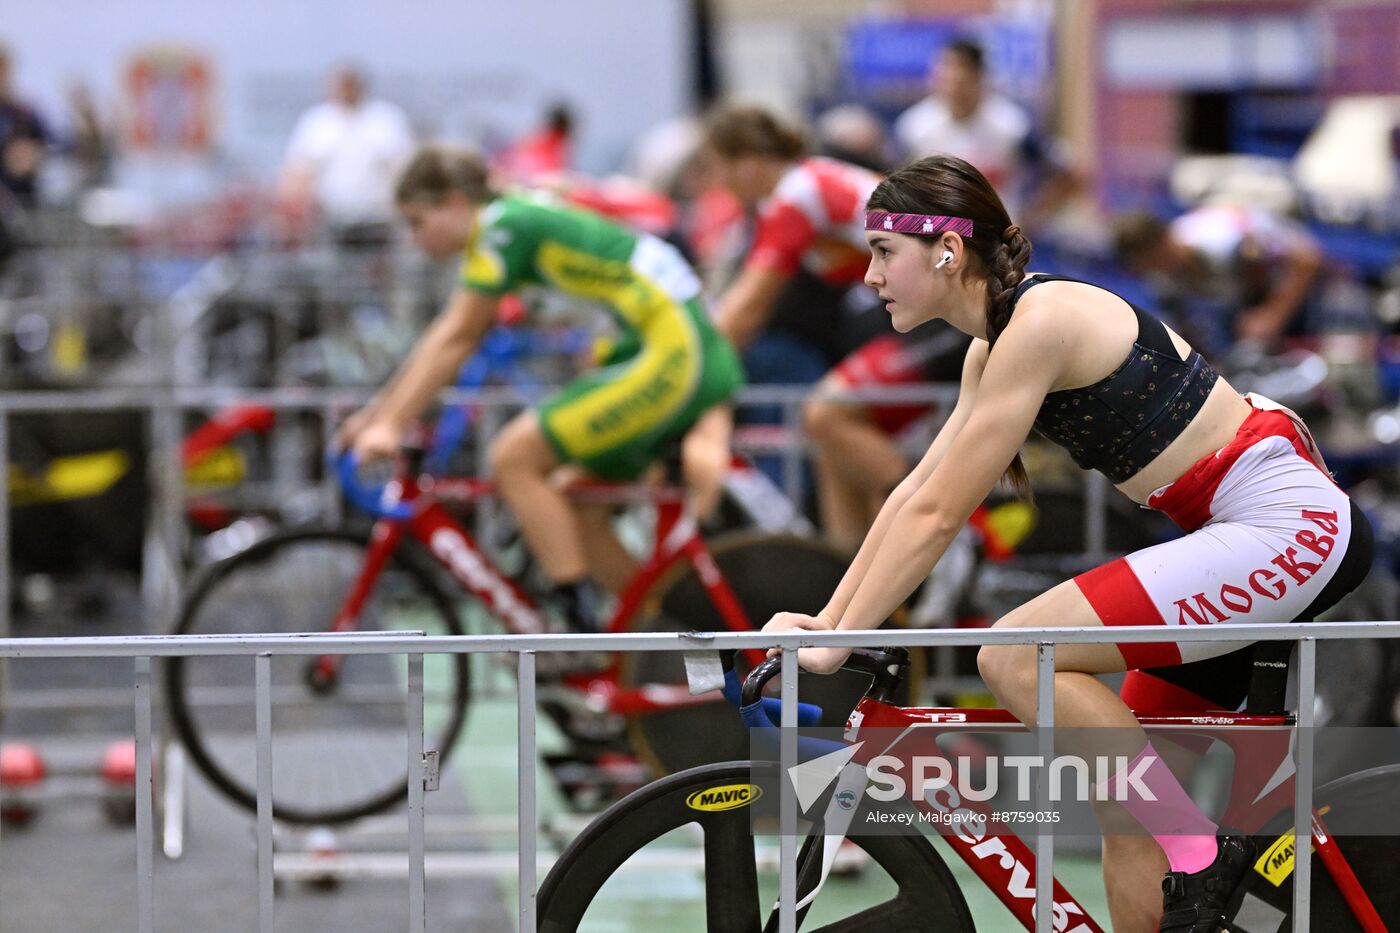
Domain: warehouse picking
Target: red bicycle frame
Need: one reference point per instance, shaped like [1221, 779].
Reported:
[676, 538]
[1006, 864]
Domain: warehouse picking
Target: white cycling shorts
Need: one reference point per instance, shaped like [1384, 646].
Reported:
[1267, 529]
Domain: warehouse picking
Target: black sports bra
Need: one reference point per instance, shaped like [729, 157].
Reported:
[1120, 423]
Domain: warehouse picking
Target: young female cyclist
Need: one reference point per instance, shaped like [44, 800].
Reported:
[669, 365]
[1270, 537]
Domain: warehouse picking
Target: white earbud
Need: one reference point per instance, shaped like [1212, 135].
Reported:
[947, 258]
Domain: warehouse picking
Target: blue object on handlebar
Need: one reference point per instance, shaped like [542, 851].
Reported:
[768, 711]
[369, 498]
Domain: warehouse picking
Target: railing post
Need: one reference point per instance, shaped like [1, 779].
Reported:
[161, 584]
[1045, 748]
[145, 800]
[330, 487]
[792, 451]
[525, 728]
[1302, 788]
[787, 800]
[262, 681]
[417, 894]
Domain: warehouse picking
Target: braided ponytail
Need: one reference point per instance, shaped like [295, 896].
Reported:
[997, 249]
[1008, 270]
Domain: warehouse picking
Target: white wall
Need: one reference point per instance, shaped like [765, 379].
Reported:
[458, 67]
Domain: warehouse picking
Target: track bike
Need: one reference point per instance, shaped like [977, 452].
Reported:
[1352, 886]
[339, 742]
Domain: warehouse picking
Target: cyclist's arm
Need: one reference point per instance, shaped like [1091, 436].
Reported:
[1269, 318]
[749, 304]
[783, 233]
[437, 357]
[973, 365]
[1009, 396]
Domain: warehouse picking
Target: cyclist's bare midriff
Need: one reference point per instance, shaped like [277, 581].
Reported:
[1214, 426]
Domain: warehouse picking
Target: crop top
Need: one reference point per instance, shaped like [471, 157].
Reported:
[1120, 423]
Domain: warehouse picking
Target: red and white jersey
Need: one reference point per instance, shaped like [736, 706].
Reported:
[815, 219]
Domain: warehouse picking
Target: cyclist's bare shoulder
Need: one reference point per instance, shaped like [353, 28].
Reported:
[1083, 330]
[1036, 347]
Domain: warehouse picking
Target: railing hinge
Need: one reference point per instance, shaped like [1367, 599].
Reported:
[432, 773]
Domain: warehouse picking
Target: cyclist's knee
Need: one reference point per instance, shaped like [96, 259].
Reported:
[503, 456]
[822, 415]
[520, 448]
[1007, 669]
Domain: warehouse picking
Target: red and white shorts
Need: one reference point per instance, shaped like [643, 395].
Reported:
[1267, 529]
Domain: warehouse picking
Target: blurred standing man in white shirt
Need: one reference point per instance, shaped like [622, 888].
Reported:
[963, 117]
[343, 158]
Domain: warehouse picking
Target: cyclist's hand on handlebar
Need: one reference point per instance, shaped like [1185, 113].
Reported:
[816, 660]
[377, 441]
[350, 428]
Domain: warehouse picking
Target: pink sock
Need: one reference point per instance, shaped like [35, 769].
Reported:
[1178, 825]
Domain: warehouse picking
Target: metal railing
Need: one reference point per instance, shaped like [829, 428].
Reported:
[264, 647]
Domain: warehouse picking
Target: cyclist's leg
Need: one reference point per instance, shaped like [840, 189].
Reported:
[1131, 861]
[1176, 825]
[610, 563]
[705, 457]
[522, 461]
[845, 512]
[855, 459]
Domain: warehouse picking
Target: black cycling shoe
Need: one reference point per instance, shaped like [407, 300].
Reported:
[1195, 903]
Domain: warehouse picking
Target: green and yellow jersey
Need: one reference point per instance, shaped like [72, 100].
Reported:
[670, 363]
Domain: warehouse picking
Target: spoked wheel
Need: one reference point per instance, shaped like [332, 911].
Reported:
[339, 737]
[610, 871]
[769, 573]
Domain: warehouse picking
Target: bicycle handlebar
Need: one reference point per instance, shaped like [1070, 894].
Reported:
[886, 667]
[364, 496]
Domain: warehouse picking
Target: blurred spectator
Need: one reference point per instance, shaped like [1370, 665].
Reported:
[23, 140]
[89, 141]
[854, 134]
[1257, 266]
[961, 116]
[544, 152]
[664, 155]
[342, 160]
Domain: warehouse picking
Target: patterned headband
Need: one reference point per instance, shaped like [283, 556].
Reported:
[918, 224]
